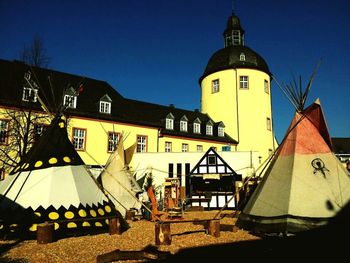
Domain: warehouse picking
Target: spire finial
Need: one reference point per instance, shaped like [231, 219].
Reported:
[233, 7]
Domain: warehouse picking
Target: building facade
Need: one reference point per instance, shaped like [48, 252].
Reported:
[235, 117]
[235, 89]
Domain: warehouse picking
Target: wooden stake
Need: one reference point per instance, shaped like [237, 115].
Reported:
[44, 233]
[114, 226]
[214, 227]
[130, 215]
[162, 234]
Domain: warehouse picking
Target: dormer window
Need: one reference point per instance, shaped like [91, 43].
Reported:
[209, 128]
[70, 99]
[169, 122]
[197, 126]
[105, 104]
[242, 57]
[183, 124]
[29, 94]
[221, 130]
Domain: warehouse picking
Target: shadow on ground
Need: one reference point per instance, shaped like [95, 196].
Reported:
[324, 244]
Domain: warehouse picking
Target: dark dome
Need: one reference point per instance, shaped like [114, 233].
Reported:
[229, 58]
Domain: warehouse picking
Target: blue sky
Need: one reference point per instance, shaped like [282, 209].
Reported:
[155, 51]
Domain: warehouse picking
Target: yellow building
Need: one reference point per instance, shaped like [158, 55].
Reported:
[98, 116]
[235, 89]
[235, 108]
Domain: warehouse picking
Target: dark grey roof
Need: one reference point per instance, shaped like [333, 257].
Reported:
[229, 58]
[341, 145]
[233, 23]
[123, 109]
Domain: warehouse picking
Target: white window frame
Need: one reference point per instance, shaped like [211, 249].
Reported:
[141, 144]
[4, 129]
[169, 124]
[242, 57]
[221, 131]
[183, 126]
[209, 129]
[79, 139]
[27, 94]
[113, 139]
[243, 82]
[184, 147]
[215, 86]
[196, 127]
[70, 101]
[199, 148]
[268, 124]
[168, 147]
[105, 107]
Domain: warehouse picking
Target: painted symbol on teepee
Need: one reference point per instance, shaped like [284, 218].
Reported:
[319, 166]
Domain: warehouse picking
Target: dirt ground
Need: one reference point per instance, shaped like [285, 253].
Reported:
[140, 236]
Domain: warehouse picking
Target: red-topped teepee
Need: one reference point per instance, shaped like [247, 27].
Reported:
[305, 184]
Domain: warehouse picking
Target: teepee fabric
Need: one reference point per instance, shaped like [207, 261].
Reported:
[119, 183]
[305, 184]
[52, 184]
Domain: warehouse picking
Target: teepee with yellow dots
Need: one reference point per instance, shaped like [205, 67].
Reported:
[52, 184]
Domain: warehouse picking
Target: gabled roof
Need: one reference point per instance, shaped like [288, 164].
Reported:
[212, 163]
[122, 109]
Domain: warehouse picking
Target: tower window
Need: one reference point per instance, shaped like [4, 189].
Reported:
[242, 57]
[243, 82]
[268, 123]
[236, 37]
[266, 86]
[215, 85]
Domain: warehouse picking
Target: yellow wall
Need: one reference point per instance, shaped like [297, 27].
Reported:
[97, 137]
[192, 144]
[97, 140]
[243, 111]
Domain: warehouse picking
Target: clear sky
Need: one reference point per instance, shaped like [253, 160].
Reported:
[155, 51]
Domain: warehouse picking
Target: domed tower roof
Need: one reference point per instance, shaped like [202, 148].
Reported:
[235, 54]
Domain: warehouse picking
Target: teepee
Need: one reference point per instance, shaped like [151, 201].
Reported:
[305, 184]
[52, 184]
[118, 182]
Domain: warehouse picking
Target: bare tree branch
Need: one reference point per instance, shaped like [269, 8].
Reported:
[35, 54]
